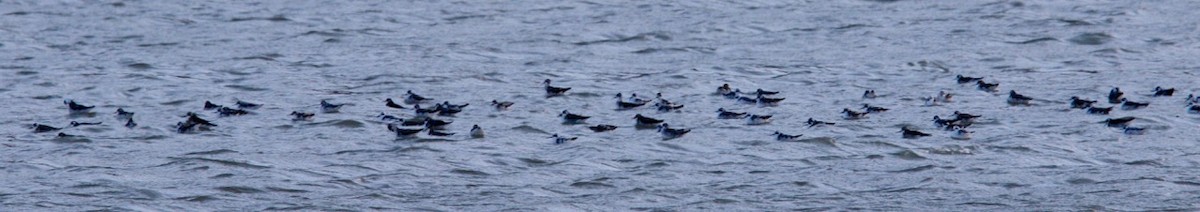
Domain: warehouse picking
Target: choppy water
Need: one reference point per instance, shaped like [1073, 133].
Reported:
[162, 59]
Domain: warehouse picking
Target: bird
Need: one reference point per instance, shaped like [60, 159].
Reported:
[724, 89]
[646, 121]
[873, 109]
[501, 105]
[413, 98]
[633, 97]
[571, 118]
[435, 124]
[910, 134]
[1077, 103]
[185, 127]
[850, 114]
[423, 111]
[1118, 122]
[554, 91]
[246, 105]
[965, 116]
[403, 132]
[758, 119]
[989, 87]
[40, 128]
[762, 100]
[669, 133]
[193, 118]
[1134, 130]
[1099, 110]
[961, 134]
[76, 107]
[299, 116]
[1114, 95]
[724, 114]
[393, 104]
[869, 94]
[939, 121]
[731, 95]
[226, 111]
[942, 96]
[121, 113]
[415, 121]
[447, 109]
[76, 124]
[438, 133]
[327, 107]
[785, 137]
[454, 106]
[965, 80]
[812, 123]
[130, 123]
[476, 131]
[208, 105]
[760, 91]
[1194, 109]
[562, 140]
[1159, 91]
[65, 135]
[390, 118]
[1017, 99]
[623, 105]
[602, 128]
[666, 106]
[1132, 105]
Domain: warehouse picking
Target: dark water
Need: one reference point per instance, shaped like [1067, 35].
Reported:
[162, 59]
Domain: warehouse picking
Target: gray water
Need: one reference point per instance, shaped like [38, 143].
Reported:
[162, 59]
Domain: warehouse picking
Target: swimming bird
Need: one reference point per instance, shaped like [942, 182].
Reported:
[423, 111]
[1159, 91]
[393, 104]
[1118, 122]
[602, 128]
[76, 124]
[210, 106]
[299, 116]
[746, 100]
[666, 106]
[812, 123]
[390, 118]
[669, 133]
[501, 105]
[561, 140]
[435, 124]
[454, 106]
[1114, 95]
[724, 89]
[438, 133]
[1099, 110]
[989, 87]
[623, 105]
[873, 109]
[76, 107]
[942, 96]
[633, 97]
[758, 119]
[785, 137]
[1194, 109]
[413, 98]
[193, 118]
[910, 133]
[766, 101]
[965, 80]
[869, 94]
[724, 114]
[476, 131]
[571, 118]
[965, 116]
[1134, 130]
[646, 121]
[1077, 103]
[961, 134]
[450, 110]
[185, 127]
[1131, 105]
[226, 111]
[554, 91]
[850, 114]
[39, 128]
[403, 132]
[121, 113]
[1017, 99]
[760, 91]
[246, 105]
[937, 120]
[65, 135]
[130, 123]
[327, 107]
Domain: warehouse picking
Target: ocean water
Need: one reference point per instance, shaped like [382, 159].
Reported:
[162, 59]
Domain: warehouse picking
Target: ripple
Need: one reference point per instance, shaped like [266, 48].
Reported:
[1091, 38]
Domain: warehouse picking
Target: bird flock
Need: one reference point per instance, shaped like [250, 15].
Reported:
[423, 119]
